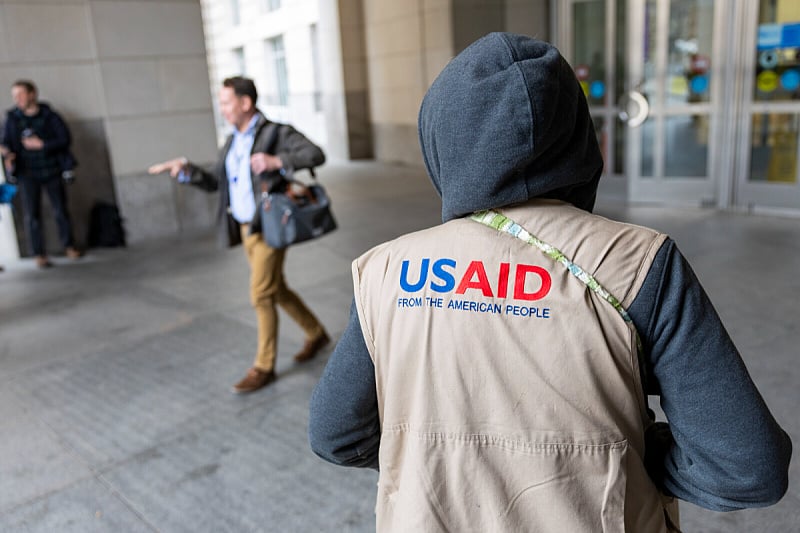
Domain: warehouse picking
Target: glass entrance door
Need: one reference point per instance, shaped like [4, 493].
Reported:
[769, 118]
[672, 64]
[649, 69]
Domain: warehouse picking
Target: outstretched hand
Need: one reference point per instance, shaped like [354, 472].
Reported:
[173, 166]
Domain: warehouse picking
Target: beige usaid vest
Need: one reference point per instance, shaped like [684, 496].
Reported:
[509, 393]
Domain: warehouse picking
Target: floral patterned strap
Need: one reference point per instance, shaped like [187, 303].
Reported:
[503, 224]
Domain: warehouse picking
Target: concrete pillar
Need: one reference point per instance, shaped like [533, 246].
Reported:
[354, 66]
[154, 78]
[332, 81]
[130, 78]
[409, 43]
[473, 19]
[529, 18]
[343, 65]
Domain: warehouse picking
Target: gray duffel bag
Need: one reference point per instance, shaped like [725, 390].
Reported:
[296, 216]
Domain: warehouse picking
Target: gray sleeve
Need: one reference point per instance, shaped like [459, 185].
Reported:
[297, 151]
[343, 426]
[722, 449]
[208, 177]
[204, 178]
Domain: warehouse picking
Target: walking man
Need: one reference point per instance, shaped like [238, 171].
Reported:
[259, 156]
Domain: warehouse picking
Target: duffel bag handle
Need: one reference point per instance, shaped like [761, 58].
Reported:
[296, 192]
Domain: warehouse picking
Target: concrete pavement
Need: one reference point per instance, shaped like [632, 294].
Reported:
[116, 412]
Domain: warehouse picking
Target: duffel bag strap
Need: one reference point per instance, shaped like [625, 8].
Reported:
[503, 224]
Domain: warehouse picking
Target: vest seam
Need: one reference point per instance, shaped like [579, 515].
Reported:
[638, 359]
[492, 440]
[647, 258]
[362, 317]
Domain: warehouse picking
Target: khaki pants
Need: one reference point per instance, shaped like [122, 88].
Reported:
[268, 289]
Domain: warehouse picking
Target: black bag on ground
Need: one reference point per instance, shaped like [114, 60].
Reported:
[105, 226]
[288, 218]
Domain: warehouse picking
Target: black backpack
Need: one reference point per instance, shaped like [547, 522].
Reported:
[105, 226]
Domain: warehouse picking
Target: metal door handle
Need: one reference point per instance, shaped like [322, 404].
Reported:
[634, 109]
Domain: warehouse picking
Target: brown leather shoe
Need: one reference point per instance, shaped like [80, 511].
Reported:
[254, 380]
[43, 262]
[73, 253]
[312, 347]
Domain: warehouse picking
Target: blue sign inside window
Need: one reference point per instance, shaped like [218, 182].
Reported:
[699, 84]
[778, 36]
[790, 80]
[597, 89]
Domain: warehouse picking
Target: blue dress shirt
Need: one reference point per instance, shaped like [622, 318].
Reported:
[237, 167]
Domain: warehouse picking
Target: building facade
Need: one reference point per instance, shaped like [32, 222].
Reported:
[351, 74]
[276, 43]
[695, 102]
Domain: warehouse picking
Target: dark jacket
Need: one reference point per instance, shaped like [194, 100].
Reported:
[506, 122]
[296, 153]
[56, 137]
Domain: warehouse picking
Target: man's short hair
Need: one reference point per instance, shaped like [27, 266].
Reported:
[28, 85]
[242, 87]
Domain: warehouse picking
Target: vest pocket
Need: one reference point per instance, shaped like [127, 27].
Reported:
[479, 482]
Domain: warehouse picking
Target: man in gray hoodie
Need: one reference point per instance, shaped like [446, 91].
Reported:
[496, 368]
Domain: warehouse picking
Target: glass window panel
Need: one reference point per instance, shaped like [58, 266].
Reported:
[619, 146]
[239, 65]
[620, 59]
[773, 156]
[235, 15]
[778, 51]
[691, 24]
[686, 146]
[588, 46]
[620, 129]
[314, 34]
[602, 138]
[648, 87]
[648, 141]
[281, 96]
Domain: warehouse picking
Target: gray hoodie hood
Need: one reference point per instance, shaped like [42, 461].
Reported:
[504, 122]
